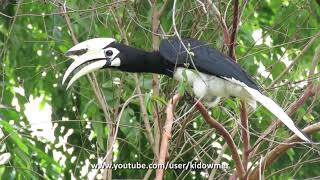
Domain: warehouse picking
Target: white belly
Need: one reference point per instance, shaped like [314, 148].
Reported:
[209, 87]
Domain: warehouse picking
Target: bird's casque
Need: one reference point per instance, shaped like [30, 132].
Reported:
[211, 73]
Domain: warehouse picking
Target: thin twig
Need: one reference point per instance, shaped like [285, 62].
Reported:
[139, 92]
[101, 99]
[218, 160]
[296, 59]
[221, 20]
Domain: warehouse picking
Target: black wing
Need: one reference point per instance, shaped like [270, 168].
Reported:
[205, 59]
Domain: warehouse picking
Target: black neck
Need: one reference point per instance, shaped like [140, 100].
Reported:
[137, 60]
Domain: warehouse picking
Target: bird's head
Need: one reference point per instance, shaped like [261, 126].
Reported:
[91, 55]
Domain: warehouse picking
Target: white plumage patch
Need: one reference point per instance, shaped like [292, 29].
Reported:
[209, 87]
[115, 52]
[116, 62]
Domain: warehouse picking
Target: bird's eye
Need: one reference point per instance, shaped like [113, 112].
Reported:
[109, 53]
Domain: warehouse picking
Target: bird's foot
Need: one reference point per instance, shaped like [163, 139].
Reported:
[189, 98]
[214, 101]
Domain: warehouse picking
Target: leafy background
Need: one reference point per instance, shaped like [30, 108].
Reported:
[49, 132]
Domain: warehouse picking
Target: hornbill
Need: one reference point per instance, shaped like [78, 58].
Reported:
[211, 73]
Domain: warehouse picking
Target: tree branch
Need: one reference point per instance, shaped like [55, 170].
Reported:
[309, 91]
[163, 8]
[166, 135]
[145, 114]
[226, 36]
[235, 24]
[315, 61]
[139, 92]
[243, 110]
[225, 134]
[218, 160]
[296, 59]
[245, 134]
[281, 148]
[99, 96]
[155, 79]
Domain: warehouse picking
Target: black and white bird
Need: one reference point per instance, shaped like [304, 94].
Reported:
[211, 73]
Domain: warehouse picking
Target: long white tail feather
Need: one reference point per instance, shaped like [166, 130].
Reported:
[277, 111]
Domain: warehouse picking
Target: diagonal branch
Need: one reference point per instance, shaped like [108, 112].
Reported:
[92, 79]
[225, 134]
[296, 59]
[309, 91]
[281, 148]
[218, 159]
[166, 136]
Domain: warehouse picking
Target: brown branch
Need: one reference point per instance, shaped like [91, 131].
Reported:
[243, 110]
[225, 134]
[226, 35]
[166, 135]
[139, 92]
[155, 79]
[281, 148]
[218, 160]
[235, 25]
[245, 134]
[292, 109]
[163, 8]
[145, 114]
[155, 25]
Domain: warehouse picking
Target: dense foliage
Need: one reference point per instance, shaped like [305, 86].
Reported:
[49, 132]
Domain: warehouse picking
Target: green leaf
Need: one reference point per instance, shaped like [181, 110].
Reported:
[98, 126]
[13, 136]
